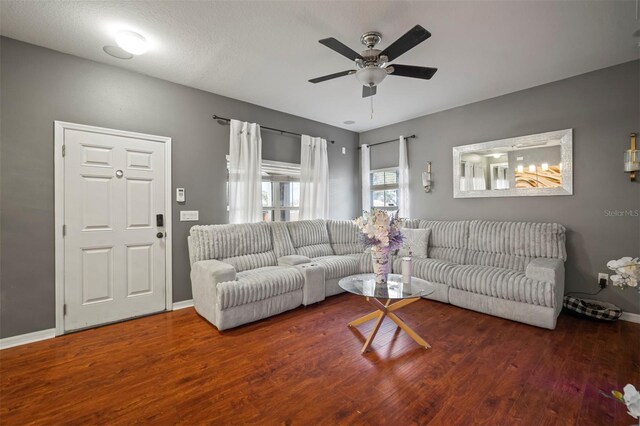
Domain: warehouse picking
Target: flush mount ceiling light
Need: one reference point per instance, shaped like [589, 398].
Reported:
[132, 42]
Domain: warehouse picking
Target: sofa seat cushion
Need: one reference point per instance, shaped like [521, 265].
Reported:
[338, 266]
[501, 283]
[433, 270]
[259, 284]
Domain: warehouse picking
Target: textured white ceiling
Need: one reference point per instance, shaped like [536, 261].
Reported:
[264, 52]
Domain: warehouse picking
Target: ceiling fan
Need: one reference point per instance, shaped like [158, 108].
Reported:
[372, 65]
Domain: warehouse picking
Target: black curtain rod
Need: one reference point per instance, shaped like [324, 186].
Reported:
[389, 141]
[217, 117]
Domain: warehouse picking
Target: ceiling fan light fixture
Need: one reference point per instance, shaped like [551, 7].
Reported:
[371, 76]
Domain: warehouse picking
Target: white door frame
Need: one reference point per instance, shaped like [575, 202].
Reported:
[59, 128]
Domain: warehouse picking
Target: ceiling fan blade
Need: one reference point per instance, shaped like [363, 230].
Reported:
[368, 91]
[413, 71]
[411, 39]
[331, 76]
[346, 51]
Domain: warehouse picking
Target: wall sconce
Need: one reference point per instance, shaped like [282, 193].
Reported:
[426, 178]
[632, 159]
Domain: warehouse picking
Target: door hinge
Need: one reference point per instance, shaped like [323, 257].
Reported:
[64, 150]
[64, 309]
[64, 230]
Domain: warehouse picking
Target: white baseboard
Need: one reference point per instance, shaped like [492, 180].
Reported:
[182, 304]
[628, 316]
[36, 336]
[23, 339]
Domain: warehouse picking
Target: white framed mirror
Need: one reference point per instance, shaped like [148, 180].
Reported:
[524, 166]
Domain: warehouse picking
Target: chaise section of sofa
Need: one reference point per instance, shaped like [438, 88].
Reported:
[235, 277]
[513, 270]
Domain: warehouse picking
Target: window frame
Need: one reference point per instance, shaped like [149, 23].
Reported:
[276, 208]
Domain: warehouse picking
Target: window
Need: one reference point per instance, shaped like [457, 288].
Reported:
[280, 199]
[384, 189]
[280, 191]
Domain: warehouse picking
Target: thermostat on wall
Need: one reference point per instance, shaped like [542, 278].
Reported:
[180, 195]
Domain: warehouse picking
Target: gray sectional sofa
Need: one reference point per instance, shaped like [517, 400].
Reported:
[247, 272]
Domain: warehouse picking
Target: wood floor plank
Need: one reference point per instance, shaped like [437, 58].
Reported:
[305, 367]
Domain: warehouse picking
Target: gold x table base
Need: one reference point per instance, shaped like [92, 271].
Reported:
[386, 310]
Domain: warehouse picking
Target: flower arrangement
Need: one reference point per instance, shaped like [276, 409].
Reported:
[630, 398]
[380, 229]
[627, 272]
[383, 233]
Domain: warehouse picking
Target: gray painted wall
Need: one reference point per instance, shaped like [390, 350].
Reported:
[39, 86]
[602, 107]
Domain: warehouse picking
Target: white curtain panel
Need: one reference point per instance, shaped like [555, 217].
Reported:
[479, 181]
[473, 177]
[365, 167]
[314, 178]
[501, 180]
[245, 175]
[403, 180]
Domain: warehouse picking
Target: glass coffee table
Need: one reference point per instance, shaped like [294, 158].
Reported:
[405, 294]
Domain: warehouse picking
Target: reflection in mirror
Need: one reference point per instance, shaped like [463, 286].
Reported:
[528, 165]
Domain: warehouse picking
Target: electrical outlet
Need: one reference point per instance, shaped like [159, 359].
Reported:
[189, 215]
[603, 279]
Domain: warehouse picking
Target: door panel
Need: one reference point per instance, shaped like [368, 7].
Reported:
[140, 160]
[96, 156]
[114, 262]
[97, 275]
[139, 203]
[139, 269]
[96, 202]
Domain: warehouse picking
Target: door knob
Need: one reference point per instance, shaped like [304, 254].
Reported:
[160, 235]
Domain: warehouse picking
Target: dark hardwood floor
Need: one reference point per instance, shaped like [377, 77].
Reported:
[304, 367]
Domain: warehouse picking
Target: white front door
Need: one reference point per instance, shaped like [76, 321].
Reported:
[114, 248]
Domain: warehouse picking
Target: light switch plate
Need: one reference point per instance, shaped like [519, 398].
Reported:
[189, 215]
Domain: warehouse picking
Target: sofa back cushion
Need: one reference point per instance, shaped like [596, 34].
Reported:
[245, 246]
[411, 223]
[282, 244]
[344, 236]
[512, 245]
[448, 239]
[310, 238]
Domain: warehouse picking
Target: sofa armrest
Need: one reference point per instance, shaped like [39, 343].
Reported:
[293, 260]
[205, 276]
[314, 285]
[549, 271]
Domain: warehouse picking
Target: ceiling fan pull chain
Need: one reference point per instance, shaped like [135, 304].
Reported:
[371, 97]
